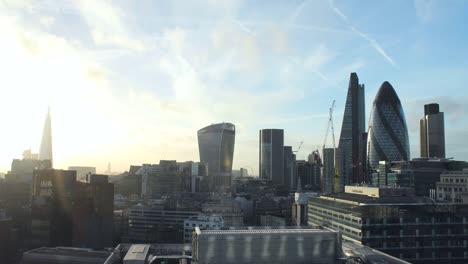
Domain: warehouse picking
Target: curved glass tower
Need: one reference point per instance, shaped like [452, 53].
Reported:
[388, 133]
[216, 148]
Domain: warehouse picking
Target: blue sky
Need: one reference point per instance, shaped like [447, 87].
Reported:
[131, 82]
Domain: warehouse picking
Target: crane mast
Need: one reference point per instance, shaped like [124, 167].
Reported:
[336, 179]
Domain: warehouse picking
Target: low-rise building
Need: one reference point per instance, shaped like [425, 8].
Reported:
[266, 245]
[202, 221]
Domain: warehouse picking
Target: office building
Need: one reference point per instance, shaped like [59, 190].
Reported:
[65, 212]
[289, 168]
[328, 170]
[82, 171]
[157, 224]
[422, 173]
[271, 155]
[432, 132]
[201, 221]
[45, 150]
[266, 245]
[52, 207]
[388, 133]
[309, 174]
[162, 178]
[395, 221]
[226, 207]
[93, 212]
[453, 186]
[216, 148]
[350, 146]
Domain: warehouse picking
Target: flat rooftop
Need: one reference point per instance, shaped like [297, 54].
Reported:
[69, 251]
[262, 230]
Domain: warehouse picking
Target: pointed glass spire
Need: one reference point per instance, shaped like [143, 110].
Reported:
[45, 151]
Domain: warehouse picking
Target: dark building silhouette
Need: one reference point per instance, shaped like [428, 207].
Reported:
[52, 207]
[388, 133]
[309, 174]
[65, 212]
[289, 167]
[350, 149]
[271, 155]
[432, 132]
[93, 212]
[216, 148]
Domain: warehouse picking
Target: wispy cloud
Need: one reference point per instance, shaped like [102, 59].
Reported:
[374, 44]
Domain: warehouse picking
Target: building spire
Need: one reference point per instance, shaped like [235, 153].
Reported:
[45, 151]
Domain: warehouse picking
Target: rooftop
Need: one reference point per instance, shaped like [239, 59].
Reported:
[261, 229]
[69, 251]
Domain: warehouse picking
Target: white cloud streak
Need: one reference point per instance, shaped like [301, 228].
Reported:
[374, 44]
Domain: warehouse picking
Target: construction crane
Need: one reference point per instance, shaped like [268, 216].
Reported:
[299, 148]
[330, 125]
[336, 178]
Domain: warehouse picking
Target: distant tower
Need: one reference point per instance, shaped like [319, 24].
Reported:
[432, 134]
[388, 134]
[271, 155]
[350, 148]
[45, 151]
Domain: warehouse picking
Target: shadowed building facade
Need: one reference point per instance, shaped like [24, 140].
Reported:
[432, 132]
[216, 148]
[388, 133]
[351, 145]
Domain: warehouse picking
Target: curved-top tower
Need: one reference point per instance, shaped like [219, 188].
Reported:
[216, 147]
[388, 133]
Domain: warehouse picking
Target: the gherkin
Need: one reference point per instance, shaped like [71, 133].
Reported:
[388, 132]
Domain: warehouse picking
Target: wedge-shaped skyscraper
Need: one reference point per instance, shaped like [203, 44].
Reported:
[350, 149]
[216, 147]
[388, 133]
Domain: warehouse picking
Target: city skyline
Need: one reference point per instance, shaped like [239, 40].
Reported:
[280, 66]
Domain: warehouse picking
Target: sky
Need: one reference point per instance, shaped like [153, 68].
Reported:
[131, 82]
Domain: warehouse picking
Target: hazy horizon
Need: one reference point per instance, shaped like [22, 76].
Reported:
[132, 82]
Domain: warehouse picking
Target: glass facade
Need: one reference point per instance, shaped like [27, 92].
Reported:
[272, 155]
[216, 148]
[350, 148]
[388, 133]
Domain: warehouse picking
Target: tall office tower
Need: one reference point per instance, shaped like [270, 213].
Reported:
[432, 135]
[388, 133]
[350, 148]
[289, 167]
[52, 207]
[216, 148]
[271, 162]
[328, 170]
[45, 151]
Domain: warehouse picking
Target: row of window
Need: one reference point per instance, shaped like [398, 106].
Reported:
[456, 189]
[454, 180]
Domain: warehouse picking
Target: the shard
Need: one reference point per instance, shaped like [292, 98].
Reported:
[350, 158]
[45, 151]
[388, 132]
